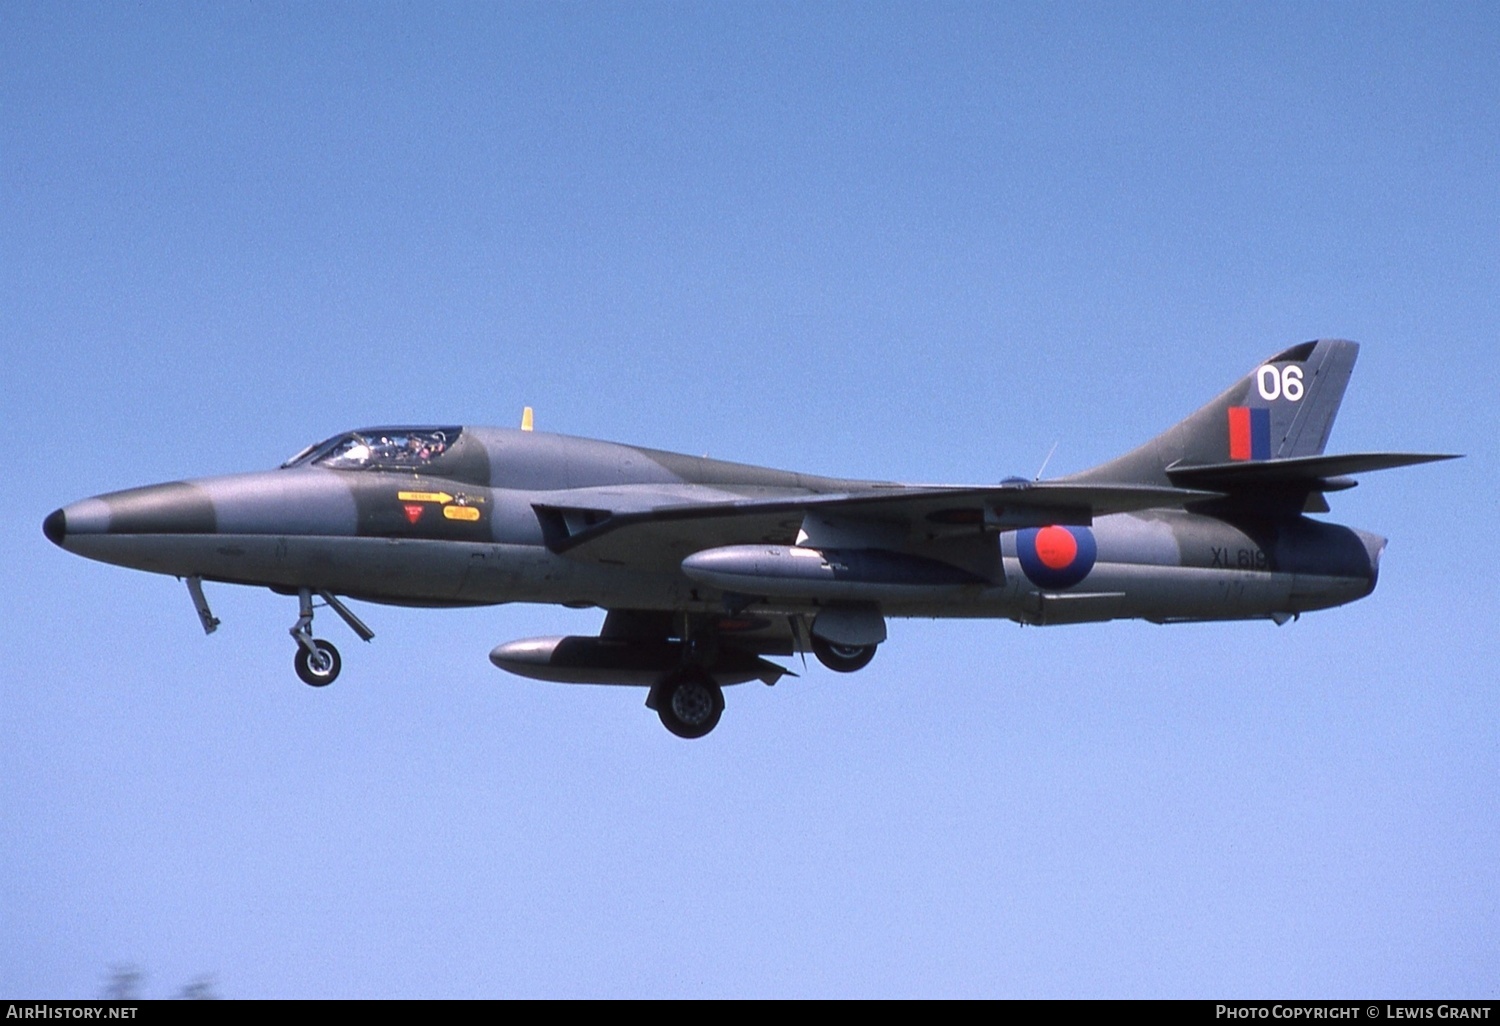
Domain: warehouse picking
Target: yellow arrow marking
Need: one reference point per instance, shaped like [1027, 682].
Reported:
[424, 496]
[460, 512]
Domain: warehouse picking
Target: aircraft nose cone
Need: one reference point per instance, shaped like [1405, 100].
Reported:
[173, 508]
[55, 527]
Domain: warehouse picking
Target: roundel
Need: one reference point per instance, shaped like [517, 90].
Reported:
[1056, 557]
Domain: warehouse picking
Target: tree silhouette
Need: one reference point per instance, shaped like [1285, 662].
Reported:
[124, 984]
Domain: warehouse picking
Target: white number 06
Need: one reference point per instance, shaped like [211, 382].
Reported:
[1275, 384]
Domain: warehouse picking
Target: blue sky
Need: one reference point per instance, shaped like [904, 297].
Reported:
[920, 242]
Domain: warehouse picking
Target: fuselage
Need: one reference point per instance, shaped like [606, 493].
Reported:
[460, 516]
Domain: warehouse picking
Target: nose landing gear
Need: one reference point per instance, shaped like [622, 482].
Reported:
[317, 662]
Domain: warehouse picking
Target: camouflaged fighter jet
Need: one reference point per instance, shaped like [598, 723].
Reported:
[705, 568]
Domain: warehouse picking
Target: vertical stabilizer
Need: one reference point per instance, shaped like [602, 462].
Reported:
[1283, 408]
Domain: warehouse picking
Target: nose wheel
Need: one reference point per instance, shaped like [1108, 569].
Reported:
[317, 662]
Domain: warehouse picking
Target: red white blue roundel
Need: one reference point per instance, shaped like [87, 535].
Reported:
[1056, 557]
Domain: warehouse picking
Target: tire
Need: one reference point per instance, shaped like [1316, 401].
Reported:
[321, 672]
[842, 658]
[690, 705]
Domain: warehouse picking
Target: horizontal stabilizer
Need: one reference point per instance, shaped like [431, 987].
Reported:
[1311, 472]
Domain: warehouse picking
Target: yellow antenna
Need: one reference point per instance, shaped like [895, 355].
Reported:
[526, 419]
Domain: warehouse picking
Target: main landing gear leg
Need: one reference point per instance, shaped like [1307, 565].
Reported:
[318, 662]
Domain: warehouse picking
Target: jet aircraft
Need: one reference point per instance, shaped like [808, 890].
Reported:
[707, 568]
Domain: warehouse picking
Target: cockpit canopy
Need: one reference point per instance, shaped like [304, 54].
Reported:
[388, 448]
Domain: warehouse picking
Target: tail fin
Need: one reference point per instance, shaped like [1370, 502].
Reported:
[1281, 410]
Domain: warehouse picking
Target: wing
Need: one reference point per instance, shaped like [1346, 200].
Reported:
[654, 527]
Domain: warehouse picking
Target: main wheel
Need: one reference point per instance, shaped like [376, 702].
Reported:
[321, 669]
[690, 705]
[842, 658]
